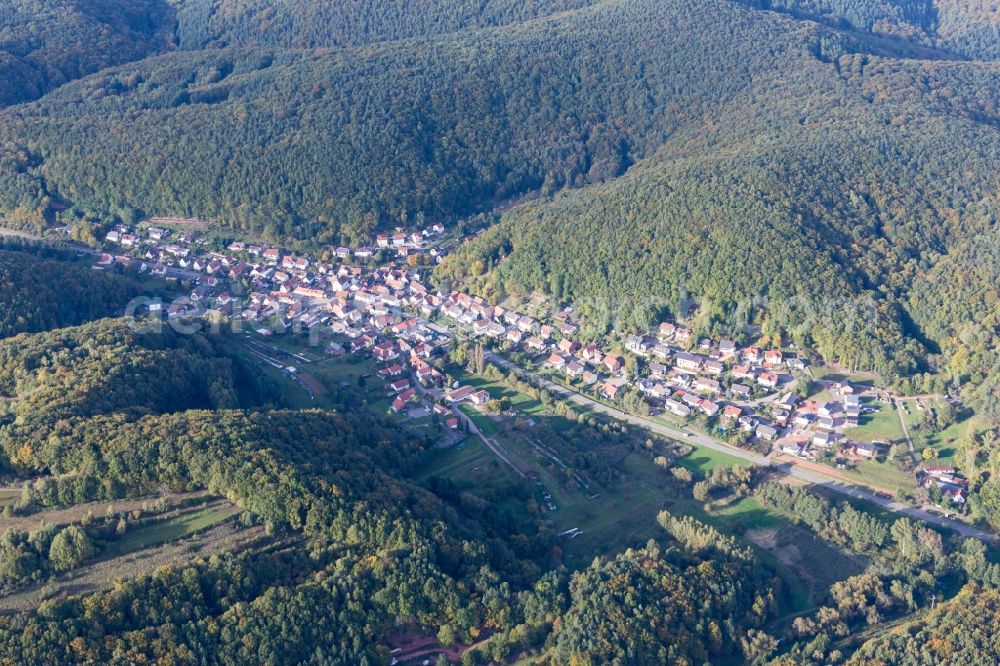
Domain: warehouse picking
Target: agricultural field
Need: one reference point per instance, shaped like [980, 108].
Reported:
[602, 519]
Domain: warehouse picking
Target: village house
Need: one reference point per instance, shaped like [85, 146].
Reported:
[614, 364]
[732, 413]
[768, 379]
[657, 369]
[637, 345]
[555, 361]
[827, 409]
[676, 408]
[391, 371]
[866, 450]
[951, 485]
[568, 346]
[766, 432]
[823, 439]
[407, 396]
[740, 391]
[708, 407]
[459, 394]
[773, 357]
[612, 389]
[400, 385]
[662, 352]
[385, 351]
[707, 385]
[795, 447]
[688, 362]
[591, 354]
[666, 330]
[479, 398]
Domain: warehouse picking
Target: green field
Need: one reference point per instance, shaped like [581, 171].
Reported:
[946, 441]
[486, 425]
[175, 527]
[831, 374]
[806, 564]
[610, 519]
[703, 459]
[469, 459]
[884, 475]
[883, 425]
[520, 402]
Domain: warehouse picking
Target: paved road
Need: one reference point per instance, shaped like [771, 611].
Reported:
[753, 458]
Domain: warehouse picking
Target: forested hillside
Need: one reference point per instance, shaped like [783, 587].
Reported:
[38, 294]
[966, 28]
[363, 550]
[45, 43]
[818, 227]
[310, 24]
[332, 145]
[962, 631]
[107, 367]
[820, 173]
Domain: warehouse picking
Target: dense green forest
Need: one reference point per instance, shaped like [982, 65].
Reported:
[967, 29]
[381, 551]
[823, 169]
[962, 631]
[822, 227]
[774, 171]
[38, 293]
[309, 24]
[45, 43]
[329, 145]
[111, 366]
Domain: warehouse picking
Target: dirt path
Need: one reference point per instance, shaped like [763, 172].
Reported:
[76, 513]
[102, 574]
[906, 432]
